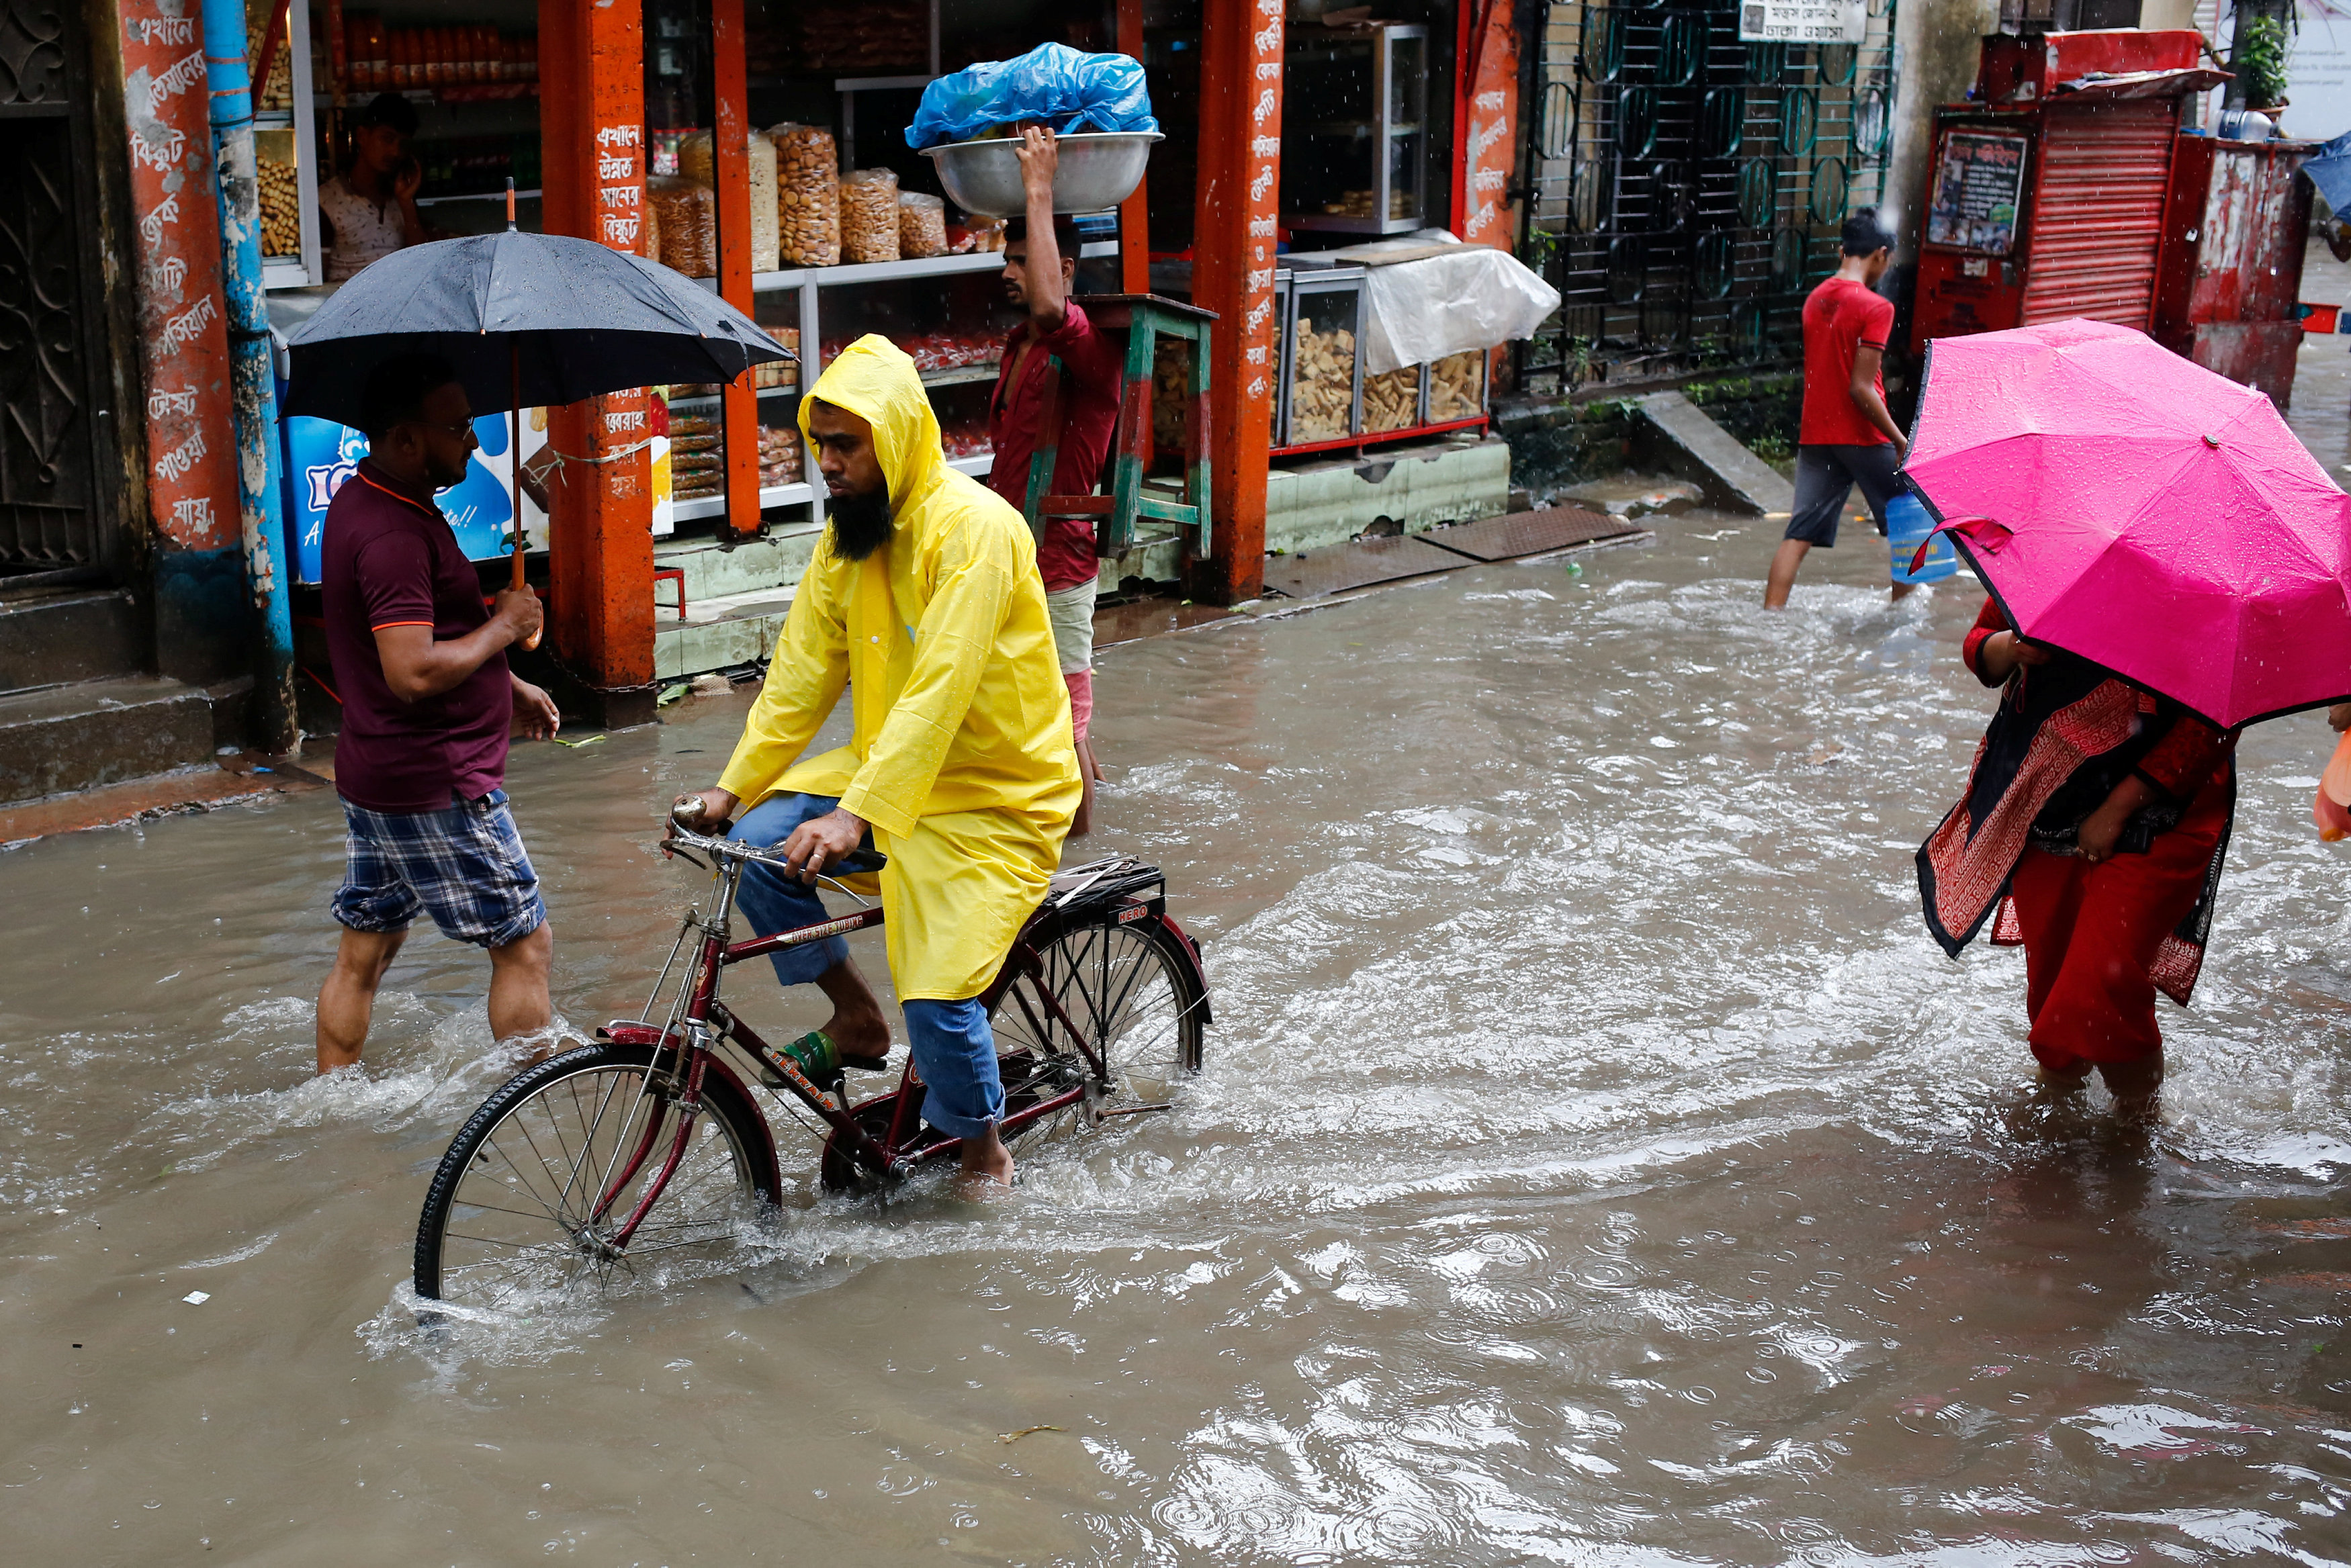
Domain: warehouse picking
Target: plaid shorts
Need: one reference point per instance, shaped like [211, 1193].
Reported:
[464, 866]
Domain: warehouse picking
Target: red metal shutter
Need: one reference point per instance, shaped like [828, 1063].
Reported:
[2098, 213]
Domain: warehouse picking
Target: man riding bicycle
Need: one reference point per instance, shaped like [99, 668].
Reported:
[923, 599]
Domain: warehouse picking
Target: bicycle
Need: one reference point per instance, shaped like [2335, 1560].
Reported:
[648, 1143]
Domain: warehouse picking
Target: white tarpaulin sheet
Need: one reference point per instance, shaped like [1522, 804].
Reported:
[1471, 296]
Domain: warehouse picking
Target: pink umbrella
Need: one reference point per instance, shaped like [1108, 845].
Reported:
[2126, 505]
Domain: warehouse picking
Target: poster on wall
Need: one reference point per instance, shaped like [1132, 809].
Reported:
[1803, 21]
[320, 456]
[2318, 73]
[1979, 183]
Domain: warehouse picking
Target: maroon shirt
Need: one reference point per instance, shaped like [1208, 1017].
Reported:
[392, 559]
[1092, 367]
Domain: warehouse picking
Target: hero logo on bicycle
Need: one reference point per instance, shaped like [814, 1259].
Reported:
[830, 928]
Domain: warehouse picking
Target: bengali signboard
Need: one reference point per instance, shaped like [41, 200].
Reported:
[1803, 21]
[1978, 184]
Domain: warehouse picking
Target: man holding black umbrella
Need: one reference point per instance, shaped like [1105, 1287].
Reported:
[428, 704]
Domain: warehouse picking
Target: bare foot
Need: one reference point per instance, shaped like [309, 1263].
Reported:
[2137, 1087]
[986, 1172]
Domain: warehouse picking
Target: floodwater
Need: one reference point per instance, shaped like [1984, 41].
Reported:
[1594, 1163]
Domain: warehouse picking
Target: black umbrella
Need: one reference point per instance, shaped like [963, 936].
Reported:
[529, 321]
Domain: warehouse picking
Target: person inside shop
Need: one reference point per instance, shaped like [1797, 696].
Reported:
[1847, 436]
[368, 211]
[921, 601]
[1040, 263]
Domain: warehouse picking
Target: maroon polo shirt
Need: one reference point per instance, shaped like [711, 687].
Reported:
[392, 559]
[1092, 367]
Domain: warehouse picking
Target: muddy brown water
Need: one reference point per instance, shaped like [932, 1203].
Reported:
[1594, 1163]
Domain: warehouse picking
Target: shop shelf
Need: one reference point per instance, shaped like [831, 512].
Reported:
[715, 505]
[792, 279]
[681, 405]
[959, 374]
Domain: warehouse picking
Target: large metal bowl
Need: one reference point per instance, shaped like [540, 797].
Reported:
[1097, 170]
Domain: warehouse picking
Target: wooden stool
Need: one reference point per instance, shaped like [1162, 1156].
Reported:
[1144, 318]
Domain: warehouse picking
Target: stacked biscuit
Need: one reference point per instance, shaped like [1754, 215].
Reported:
[1456, 386]
[1392, 399]
[1322, 387]
[281, 208]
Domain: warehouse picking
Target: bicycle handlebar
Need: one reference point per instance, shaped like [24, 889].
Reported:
[681, 836]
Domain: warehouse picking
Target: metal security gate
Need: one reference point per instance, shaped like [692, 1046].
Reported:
[2098, 210]
[56, 513]
[1688, 188]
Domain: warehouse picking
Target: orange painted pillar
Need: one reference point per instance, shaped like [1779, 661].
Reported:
[1232, 274]
[1134, 212]
[731, 148]
[600, 546]
[1486, 116]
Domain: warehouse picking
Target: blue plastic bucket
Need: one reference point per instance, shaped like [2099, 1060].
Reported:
[1908, 524]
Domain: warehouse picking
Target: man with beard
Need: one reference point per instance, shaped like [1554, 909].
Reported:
[923, 599]
[428, 704]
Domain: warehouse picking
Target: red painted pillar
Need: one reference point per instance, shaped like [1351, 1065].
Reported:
[731, 150]
[202, 608]
[1232, 274]
[600, 547]
[1134, 212]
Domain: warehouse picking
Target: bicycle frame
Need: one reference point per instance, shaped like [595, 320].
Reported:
[698, 1021]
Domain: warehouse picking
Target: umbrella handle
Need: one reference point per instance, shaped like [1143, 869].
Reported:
[514, 442]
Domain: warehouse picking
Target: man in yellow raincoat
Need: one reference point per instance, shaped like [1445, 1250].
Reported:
[923, 599]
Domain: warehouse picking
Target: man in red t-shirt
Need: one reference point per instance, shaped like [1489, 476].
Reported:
[428, 704]
[1847, 437]
[1040, 263]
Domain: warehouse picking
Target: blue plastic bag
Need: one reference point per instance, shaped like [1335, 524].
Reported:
[1052, 83]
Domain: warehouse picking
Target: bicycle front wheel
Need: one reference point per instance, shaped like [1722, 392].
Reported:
[529, 1201]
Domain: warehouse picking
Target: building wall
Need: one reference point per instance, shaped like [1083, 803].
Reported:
[1686, 189]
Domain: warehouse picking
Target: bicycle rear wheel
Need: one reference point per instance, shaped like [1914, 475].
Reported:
[1130, 988]
[528, 1198]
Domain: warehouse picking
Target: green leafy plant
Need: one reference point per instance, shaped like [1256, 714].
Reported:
[2260, 61]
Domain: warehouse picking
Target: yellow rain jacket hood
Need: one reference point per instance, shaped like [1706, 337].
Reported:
[961, 756]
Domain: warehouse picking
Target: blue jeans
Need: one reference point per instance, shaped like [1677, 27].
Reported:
[954, 1048]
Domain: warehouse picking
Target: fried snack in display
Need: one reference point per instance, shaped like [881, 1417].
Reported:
[922, 225]
[808, 195]
[869, 215]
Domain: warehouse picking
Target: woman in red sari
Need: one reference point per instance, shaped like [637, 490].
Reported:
[2092, 832]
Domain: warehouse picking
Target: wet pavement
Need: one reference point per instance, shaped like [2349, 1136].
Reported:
[1595, 1161]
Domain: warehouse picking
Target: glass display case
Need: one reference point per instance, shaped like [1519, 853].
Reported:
[284, 144]
[1354, 120]
[1321, 386]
